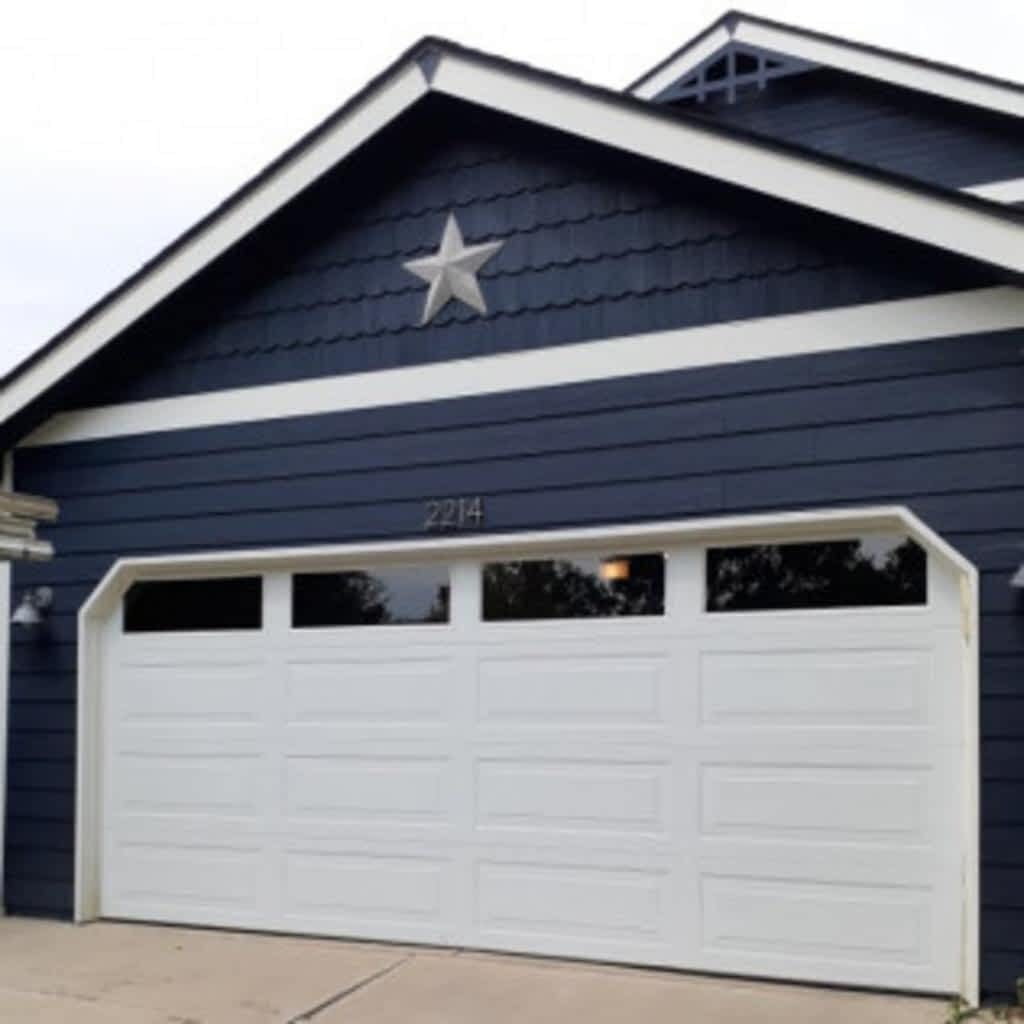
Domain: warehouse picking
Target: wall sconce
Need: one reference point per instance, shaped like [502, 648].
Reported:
[34, 607]
[1018, 578]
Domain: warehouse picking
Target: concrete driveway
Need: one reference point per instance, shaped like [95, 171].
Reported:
[139, 974]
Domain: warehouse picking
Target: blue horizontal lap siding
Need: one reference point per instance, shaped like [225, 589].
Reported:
[879, 125]
[597, 244]
[935, 425]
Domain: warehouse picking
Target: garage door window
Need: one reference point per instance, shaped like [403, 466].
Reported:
[167, 606]
[408, 595]
[862, 572]
[574, 588]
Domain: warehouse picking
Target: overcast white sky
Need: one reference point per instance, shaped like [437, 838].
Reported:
[121, 123]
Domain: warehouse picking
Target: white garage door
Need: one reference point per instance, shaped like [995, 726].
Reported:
[724, 768]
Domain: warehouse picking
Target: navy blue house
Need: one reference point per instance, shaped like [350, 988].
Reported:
[540, 518]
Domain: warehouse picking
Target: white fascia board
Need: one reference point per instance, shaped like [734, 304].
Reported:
[962, 88]
[791, 176]
[1011, 191]
[944, 82]
[659, 80]
[873, 324]
[358, 125]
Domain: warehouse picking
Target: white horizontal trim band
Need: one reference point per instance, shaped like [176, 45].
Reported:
[881, 323]
[1011, 191]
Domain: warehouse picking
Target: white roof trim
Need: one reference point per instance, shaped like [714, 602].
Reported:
[803, 179]
[879, 323]
[948, 83]
[695, 54]
[560, 104]
[1011, 191]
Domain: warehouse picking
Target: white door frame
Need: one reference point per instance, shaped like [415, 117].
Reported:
[824, 524]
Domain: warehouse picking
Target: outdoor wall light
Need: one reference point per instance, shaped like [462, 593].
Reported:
[34, 607]
[1018, 578]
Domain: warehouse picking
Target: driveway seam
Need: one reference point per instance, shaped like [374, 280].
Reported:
[309, 1015]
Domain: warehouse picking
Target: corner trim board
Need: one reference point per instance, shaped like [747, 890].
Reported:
[7, 484]
[873, 324]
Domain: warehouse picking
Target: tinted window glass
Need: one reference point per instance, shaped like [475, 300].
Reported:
[574, 588]
[837, 574]
[164, 606]
[392, 596]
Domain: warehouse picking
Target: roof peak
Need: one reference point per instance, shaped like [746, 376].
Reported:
[952, 82]
[955, 223]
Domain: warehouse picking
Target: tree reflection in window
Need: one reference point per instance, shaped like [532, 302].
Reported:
[573, 588]
[835, 574]
[392, 596]
[160, 606]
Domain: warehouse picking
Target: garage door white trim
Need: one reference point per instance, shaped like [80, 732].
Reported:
[802, 525]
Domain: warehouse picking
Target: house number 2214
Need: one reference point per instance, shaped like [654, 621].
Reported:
[454, 514]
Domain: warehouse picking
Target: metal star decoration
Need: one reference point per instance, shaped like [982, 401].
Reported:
[451, 271]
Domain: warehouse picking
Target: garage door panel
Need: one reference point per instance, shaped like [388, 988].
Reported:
[225, 692]
[354, 693]
[877, 791]
[817, 802]
[574, 901]
[569, 690]
[772, 686]
[369, 788]
[527, 793]
[190, 783]
[197, 879]
[806, 929]
[817, 921]
[369, 893]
